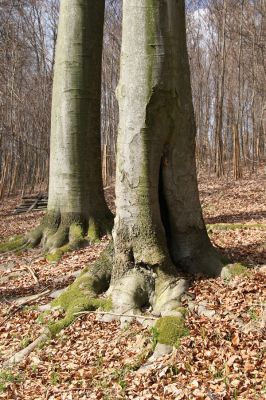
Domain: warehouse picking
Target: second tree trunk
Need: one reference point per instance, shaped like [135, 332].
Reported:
[76, 204]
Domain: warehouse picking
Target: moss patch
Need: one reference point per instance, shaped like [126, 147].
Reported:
[55, 256]
[80, 296]
[75, 243]
[99, 227]
[12, 244]
[237, 269]
[182, 310]
[93, 231]
[76, 234]
[7, 377]
[230, 271]
[170, 330]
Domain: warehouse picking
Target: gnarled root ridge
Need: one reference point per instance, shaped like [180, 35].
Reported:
[144, 288]
[140, 289]
[60, 233]
[132, 293]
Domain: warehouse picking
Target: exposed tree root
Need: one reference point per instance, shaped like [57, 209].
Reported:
[20, 355]
[84, 293]
[58, 236]
[145, 287]
[142, 317]
[158, 288]
[168, 293]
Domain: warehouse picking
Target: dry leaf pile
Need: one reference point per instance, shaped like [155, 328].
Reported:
[223, 357]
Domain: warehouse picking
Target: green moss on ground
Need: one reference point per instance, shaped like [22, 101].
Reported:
[230, 271]
[7, 377]
[80, 296]
[238, 269]
[43, 317]
[182, 310]
[229, 227]
[170, 329]
[13, 243]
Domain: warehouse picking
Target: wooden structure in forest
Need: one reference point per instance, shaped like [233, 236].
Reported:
[37, 202]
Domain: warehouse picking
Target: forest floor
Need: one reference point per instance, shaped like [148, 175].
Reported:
[223, 357]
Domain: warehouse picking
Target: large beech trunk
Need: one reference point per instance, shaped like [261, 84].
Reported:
[75, 184]
[159, 228]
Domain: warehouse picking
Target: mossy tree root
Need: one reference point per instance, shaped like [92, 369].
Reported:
[157, 288]
[133, 292]
[168, 292]
[170, 329]
[84, 293]
[14, 244]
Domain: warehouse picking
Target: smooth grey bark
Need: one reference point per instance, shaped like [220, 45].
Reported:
[159, 229]
[76, 197]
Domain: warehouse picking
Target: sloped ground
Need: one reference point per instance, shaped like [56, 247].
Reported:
[224, 356]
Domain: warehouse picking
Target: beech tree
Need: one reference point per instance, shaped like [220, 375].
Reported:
[159, 229]
[76, 204]
[159, 234]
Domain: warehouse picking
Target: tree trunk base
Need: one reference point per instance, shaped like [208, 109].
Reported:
[61, 233]
[143, 288]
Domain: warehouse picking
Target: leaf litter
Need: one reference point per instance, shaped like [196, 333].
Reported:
[223, 357]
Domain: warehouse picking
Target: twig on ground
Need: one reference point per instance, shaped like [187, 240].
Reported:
[25, 300]
[116, 314]
[32, 273]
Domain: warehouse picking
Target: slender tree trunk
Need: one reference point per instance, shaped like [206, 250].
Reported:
[76, 200]
[219, 151]
[158, 226]
[237, 127]
[236, 153]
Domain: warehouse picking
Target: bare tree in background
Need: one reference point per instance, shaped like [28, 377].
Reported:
[27, 31]
[227, 48]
